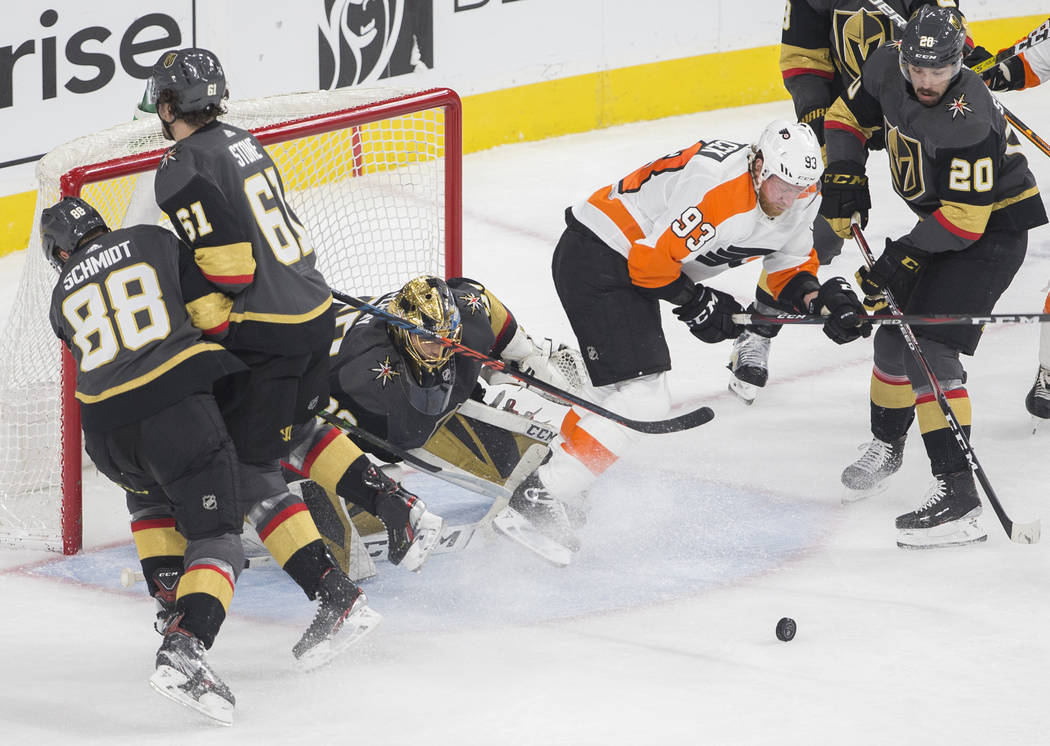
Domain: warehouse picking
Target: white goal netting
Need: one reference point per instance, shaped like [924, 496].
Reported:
[373, 176]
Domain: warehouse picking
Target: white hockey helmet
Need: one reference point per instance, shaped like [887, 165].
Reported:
[790, 151]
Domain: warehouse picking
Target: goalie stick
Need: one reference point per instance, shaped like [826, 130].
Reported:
[1022, 533]
[1024, 129]
[933, 319]
[686, 421]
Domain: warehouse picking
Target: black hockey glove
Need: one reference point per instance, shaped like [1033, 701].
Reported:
[844, 321]
[845, 192]
[1006, 76]
[815, 119]
[897, 270]
[709, 315]
[976, 56]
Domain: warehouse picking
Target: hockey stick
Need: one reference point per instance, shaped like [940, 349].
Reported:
[686, 421]
[1036, 36]
[1022, 533]
[933, 319]
[1024, 129]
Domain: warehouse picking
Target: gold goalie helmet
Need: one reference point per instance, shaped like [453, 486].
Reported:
[426, 302]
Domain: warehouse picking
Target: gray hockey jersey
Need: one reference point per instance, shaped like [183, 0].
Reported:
[957, 164]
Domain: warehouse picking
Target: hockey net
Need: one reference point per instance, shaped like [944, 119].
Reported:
[373, 174]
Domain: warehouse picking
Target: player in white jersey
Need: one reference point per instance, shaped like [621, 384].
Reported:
[659, 234]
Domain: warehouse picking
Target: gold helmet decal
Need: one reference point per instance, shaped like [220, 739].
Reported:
[426, 302]
[169, 59]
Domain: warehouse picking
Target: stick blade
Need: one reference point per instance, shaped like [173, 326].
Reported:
[687, 421]
[1025, 533]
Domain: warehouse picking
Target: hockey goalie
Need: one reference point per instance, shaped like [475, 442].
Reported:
[418, 396]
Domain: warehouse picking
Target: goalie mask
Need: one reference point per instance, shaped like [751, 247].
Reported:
[427, 302]
[63, 227]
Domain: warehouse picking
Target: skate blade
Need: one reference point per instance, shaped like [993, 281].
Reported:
[514, 526]
[168, 682]
[958, 533]
[850, 495]
[428, 532]
[360, 622]
[745, 392]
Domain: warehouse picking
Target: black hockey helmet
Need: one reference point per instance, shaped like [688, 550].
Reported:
[64, 225]
[194, 75]
[934, 37]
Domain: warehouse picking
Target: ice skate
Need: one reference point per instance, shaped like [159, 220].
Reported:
[184, 675]
[412, 530]
[864, 477]
[343, 618]
[1038, 400]
[538, 522]
[749, 365]
[948, 517]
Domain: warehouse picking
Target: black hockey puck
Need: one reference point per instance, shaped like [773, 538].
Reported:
[786, 629]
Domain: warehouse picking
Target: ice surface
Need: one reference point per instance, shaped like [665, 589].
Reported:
[663, 629]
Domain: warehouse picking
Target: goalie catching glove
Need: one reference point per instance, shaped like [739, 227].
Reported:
[562, 367]
[709, 315]
[844, 320]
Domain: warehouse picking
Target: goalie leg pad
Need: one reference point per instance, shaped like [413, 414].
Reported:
[337, 531]
[480, 448]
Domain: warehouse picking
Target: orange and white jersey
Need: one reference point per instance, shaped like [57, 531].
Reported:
[1036, 60]
[696, 212]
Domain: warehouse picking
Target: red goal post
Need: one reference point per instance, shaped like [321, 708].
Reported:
[375, 175]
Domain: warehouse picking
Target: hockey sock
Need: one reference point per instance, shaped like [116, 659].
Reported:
[892, 405]
[204, 595]
[160, 548]
[944, 452]
[330, 459]
[307, 566]
[290, 535]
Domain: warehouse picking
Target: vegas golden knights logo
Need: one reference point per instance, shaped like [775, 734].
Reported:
[857, 34]
[905, 164]
[286, 433]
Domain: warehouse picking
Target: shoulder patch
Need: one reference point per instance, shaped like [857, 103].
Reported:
[169, 156]
[959, 106]
[385, 372]
[473, 302]
[719, 150]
